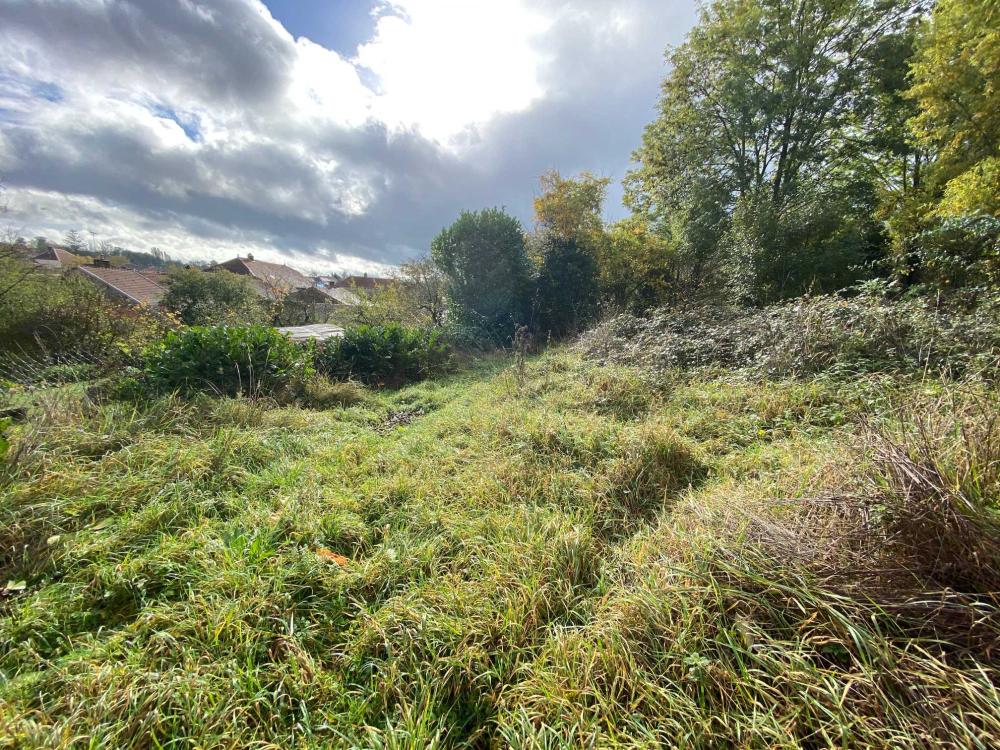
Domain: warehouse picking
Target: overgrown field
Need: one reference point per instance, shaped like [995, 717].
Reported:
[569, 556]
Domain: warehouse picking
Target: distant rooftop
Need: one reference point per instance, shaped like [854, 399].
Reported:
[142, 288]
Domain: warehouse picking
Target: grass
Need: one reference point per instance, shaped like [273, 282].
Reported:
[582, 557]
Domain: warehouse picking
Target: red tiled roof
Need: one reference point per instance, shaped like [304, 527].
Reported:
[133, 285]
[270, 273]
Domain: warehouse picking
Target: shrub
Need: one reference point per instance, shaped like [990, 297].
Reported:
[249, 360]
[44, 314]
[804, 336]
[203, 298]
[962, 251]
[385, 355]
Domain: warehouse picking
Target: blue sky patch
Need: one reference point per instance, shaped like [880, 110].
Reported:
[187, 122]
[50, 92]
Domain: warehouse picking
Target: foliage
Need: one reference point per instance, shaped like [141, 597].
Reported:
[639, 268]
[956, 85]
[209, 298]
[64, 315]
[570, 208]
[566, 287]
[385, 355]
[807, 336]
[487, 271]
[5, 424]
[757, 124]
[817, 243]
[249, 360]
[959, 252]
[417, 298]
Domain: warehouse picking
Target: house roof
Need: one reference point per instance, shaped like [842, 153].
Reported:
[269, 273]
[343, 296]
[53, 255]
[363, 282]
[138, 287]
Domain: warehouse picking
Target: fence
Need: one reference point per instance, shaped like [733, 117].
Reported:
[39, 368]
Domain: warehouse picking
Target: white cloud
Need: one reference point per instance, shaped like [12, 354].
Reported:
[445, 65]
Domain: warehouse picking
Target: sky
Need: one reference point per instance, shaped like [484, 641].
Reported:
[332, 134]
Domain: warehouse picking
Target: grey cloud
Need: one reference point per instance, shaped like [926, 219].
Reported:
[225, 51]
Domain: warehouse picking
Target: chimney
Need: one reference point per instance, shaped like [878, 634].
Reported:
[102, 262]
[249, 256]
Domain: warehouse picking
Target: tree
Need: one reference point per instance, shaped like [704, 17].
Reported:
[956, 86]
[486, 269]
[761, 109]
[571, 208]
[422, 286]
[566, 289]
[639, 267]
[73, 241]
[211, 298]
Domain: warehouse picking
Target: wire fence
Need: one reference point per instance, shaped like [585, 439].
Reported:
[44, 368]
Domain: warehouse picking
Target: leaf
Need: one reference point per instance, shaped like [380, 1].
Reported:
[15, 586]
[330, 556]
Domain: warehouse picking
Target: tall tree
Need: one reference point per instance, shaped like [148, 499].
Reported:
[956, 86]
[761, 110]
[487, 271]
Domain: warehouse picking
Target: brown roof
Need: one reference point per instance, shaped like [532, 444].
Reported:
[60, 256]
[341, 296]
[363, 282]
[137, 287]
[270, 273]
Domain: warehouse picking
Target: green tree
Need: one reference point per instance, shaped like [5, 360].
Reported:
[211, 298]
[486, 269]
[566, 288]
[639, 267]
[761, 112]
[956, 86]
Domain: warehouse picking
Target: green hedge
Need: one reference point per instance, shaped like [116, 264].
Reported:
[385, 355]
[230, 360]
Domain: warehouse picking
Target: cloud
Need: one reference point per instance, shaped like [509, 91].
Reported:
[204, 128]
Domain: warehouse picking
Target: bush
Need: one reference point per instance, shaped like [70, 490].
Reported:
[249, 360]
[44, 314]
[385, 355]
[808, 335]
[205, 298]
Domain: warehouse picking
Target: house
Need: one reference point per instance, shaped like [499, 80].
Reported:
[304, 299]
[364, 283]
[341, 296]
[272, 279]
[58, 257]
[135, 287]
[322, 282]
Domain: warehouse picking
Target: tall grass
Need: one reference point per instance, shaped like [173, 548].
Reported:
[580, 558]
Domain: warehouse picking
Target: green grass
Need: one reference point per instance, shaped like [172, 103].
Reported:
[580, 558]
